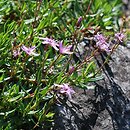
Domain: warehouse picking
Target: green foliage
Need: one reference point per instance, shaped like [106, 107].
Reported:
[27, 93]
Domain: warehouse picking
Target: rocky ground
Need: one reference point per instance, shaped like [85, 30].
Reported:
[107, 107]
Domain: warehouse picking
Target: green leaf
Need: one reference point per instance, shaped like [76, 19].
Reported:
[50, 114]
[5, 79]
[105, 19]
[97, 78]
[2, 113]
[109, 27]
[9, 112]
[32, 112]
[90, 68]
[2, 70]
[84, 86]
[14, 98]
[39, 75]
[41, 25]
[44, 91]
[59, 77]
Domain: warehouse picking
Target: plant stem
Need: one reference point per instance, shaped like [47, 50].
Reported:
[107, 59]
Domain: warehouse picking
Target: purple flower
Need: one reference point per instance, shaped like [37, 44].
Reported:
[50, 42]
[119, 36]
[65, 50]
[99, 37]
[103, 46]
[65, 89]
[29, 50]
[101, 42]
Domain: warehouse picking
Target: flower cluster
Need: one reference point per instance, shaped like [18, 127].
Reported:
[58, 46]
[101, 43]
[119, 36]
[65, 89]
[27, 50]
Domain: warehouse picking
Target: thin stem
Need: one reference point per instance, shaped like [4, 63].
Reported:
[87, 59]
[107, 59]
[91, 1]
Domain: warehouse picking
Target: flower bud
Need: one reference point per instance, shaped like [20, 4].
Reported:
[79, 21]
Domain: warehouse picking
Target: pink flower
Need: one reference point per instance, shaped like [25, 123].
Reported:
[29, 50]
[101, 42]
[65, 50]
[50, 42]
[65, 89]
[99, 37]
[119, 36]
[103, 46]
